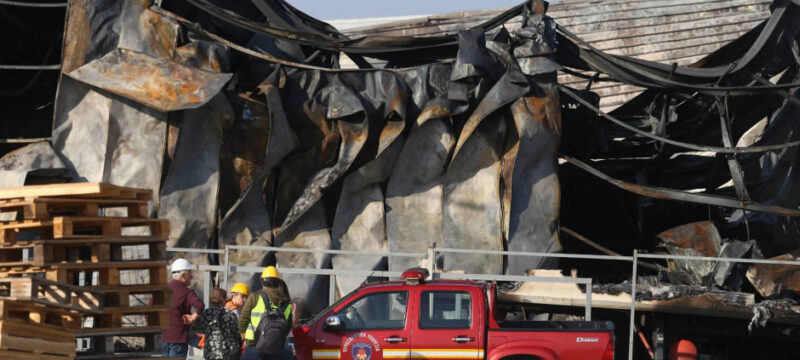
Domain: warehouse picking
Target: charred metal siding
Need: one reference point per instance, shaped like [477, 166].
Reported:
[666, 31]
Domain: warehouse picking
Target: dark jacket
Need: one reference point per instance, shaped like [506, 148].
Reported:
[222, 333]
[277, 295]
[183, 300]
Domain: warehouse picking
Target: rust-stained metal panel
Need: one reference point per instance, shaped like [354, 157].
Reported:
[249, 222]
[92, 30]
[414, 191]
[472, 215]
[353, 128]
[535, 192]
[128, 50]
[106, 138]
[695, 239]
[360, 220]
[80, 128]
[189, 195]
[19, 166]
[770, 280]
[309, 232]
[144, 31]
[161, 84]
[702, 237]
[244, 147]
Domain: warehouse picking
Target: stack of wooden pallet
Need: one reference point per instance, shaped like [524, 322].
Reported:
[93, 235]
[39, 318]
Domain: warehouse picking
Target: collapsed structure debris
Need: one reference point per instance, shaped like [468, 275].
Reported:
[240, 118]
[773, 280]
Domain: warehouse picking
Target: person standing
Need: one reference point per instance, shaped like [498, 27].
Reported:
[239, 294]
[220, 328]
[186, 307]
[273, 296]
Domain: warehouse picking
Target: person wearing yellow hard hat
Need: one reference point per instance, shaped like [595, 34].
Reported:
[272, 303]
[239, 293]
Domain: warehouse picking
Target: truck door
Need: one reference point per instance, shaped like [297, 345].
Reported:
[450, 325]
[374, 326]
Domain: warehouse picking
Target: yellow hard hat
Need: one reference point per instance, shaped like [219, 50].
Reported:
[240, 288]
[270, 272]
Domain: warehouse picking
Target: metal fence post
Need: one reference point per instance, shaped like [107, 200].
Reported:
[588, 310]
[431, 258]
[332, 289]
[227, 267]
[207, 287]
[633, 305]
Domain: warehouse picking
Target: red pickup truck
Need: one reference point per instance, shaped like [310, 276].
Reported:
[441, 319]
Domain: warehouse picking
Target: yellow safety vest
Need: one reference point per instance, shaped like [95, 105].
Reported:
[255, 316]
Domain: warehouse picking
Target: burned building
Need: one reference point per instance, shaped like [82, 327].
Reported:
[498, 134]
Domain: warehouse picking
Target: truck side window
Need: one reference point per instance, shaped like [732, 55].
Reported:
[377, 311]
[445, 310]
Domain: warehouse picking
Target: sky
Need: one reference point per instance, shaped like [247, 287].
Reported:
[348, 9]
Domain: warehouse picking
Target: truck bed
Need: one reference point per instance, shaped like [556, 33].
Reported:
[555, 326]
[552, 339]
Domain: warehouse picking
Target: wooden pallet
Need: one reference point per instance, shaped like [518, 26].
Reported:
[51, 294]
[123, 240]
[34, 330]
[80, 190]
[138, 355]
[79, 228]
[109, 273]
[41, 315]
[23, 355]
[109, 346]
[120, 296]
[122, 319]
[36, 208]
[50, 252]
[24, 341]
[122, 331]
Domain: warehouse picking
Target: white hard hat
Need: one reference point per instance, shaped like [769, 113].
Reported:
[180, 265]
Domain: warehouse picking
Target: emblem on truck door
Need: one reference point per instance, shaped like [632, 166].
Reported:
[360, 346]
[587, 339]
[361, 351]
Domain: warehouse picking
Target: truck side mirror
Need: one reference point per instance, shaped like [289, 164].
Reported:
[333, 323]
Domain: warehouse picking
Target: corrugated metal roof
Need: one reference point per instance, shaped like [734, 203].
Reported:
[667, 31]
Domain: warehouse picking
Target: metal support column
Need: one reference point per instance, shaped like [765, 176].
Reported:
[633, 305]
[658, 339]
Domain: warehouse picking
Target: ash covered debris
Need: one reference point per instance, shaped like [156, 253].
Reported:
[240, 117]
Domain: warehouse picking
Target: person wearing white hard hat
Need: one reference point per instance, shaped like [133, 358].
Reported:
[186, 307]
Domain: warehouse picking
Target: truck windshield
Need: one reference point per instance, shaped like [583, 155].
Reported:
[325, 311]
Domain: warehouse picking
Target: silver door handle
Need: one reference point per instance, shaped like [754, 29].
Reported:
[460, 339]
[394, 339]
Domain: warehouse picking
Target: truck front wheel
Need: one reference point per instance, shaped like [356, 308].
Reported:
[521, 357]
